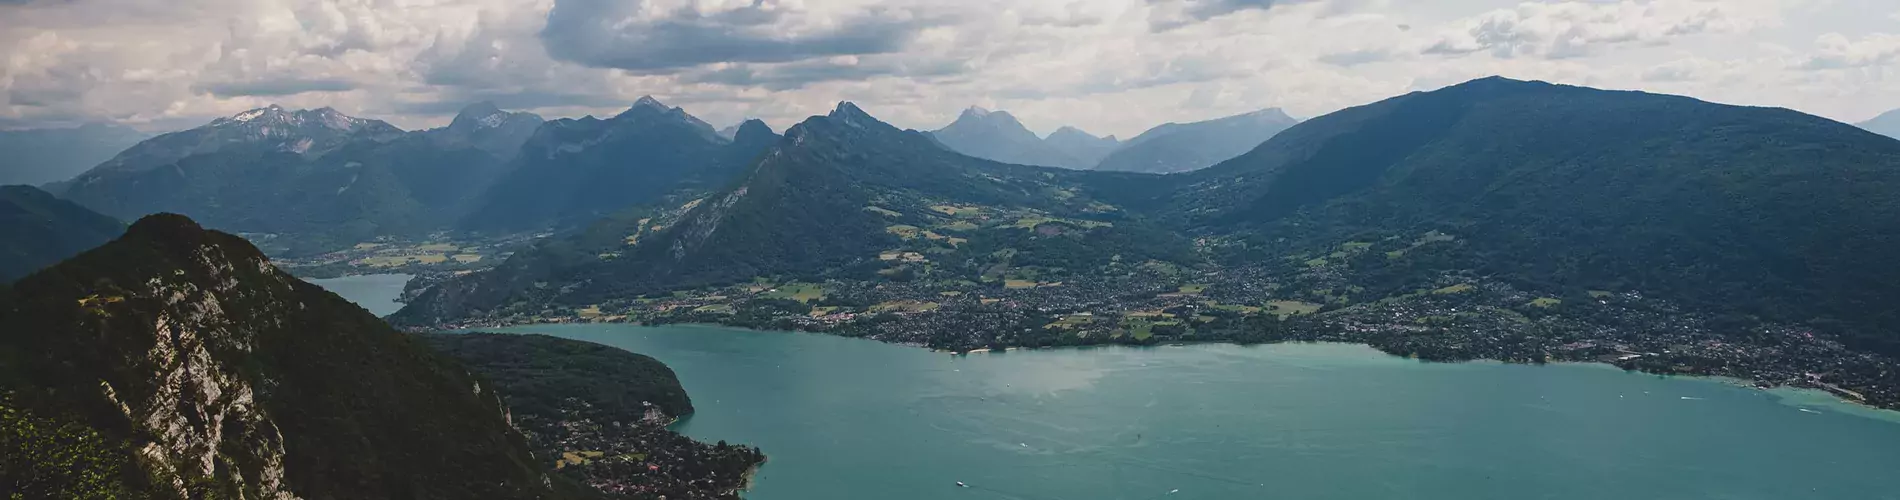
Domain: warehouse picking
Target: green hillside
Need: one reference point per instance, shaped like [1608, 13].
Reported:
[1764, 214]
[836, 199]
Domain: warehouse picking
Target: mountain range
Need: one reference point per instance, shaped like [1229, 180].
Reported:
[1549, 187]
[1088, 149]
[659, 200]
[326, 180]
[578, 170]
[40, 156]
[1168, 148]
[329, 178]
[864, 185]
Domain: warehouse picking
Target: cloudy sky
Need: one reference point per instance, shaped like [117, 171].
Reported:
[1107, 66]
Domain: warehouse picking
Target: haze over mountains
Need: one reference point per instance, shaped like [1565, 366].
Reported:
[1182, 147]
[40, 156]
[998, 136]
[39, 230]
[1168, 148]
[334, 178]
[1887, 124]
[845, 175]
[577, 170]
[329, 180]
[1083, 146]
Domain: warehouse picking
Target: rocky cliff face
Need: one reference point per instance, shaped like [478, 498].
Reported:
[220, 376]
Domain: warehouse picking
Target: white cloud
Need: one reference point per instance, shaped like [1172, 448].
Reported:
[1835, 51]
[1578, 28]
[1109, 66]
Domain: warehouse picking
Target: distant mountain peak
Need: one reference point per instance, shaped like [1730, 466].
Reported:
[251, 115]
[647, 101]
[1069, 131]
[648, 108]
[999, 136]
[1887, 124]
[277, 116]
[851, 114]
[1270, 114]
[751, 128]
[976, 114]
[733, 131]
[1180, 147]
[1086, 148]
[484, 115]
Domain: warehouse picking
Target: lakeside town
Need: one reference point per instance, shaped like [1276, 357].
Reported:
[440, 254]
[1460, 318]
[639, 457]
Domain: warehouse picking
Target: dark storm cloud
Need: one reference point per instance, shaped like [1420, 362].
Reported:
[611, 34]
[273, 87]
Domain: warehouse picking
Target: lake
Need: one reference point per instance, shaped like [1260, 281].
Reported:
[848, 418]
[375, 292]
[855, 419]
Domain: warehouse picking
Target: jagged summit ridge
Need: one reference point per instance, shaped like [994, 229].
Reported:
[277, 116]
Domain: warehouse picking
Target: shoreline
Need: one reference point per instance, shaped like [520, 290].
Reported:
[746, 480]
[1737, 381]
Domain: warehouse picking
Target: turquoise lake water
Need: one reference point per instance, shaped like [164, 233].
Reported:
[847, 418]
[854, 419]
[374, 292]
